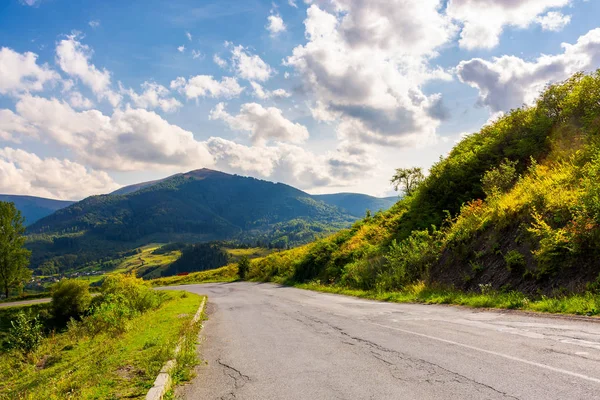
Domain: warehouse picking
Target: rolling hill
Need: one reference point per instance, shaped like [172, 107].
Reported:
[201, 205]
[34, 208]
[357, 204]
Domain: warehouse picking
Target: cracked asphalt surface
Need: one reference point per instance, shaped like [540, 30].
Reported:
[263, 341]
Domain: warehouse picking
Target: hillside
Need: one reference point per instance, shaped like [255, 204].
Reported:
[515, 206]
[200, 205]
[34, 208]
[357, 204]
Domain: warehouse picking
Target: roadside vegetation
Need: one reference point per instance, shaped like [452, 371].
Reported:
[513, 209]
[105, 347]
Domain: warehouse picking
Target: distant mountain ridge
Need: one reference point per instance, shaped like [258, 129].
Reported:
[34, 208]
[196, 206]
[357, 204]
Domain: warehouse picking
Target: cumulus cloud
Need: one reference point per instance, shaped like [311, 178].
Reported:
[250, 66]
[553, 21]
[484, 20]
[290, 163]
[196, 54]
[130, 139]
[275, 25]
[153, 96]
[189, 36]
[207, 86]
[20, 73]
[264, 94]
[508, 82]
[365, 62]
[219, 61]
[73, 57]
[78, 101]
[181, 49]
[13, 127]
[264, 124]
[27, 174]
[94, 23]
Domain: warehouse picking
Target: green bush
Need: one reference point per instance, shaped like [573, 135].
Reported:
[499, 180]
[130, 292]
[515, 261]
[410, 259]
[243, 267]
[70, 299]
[25, 333]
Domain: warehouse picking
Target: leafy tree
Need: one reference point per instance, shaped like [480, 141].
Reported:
[243, 267]
[14, 258]
[70, 299]
[407, 179]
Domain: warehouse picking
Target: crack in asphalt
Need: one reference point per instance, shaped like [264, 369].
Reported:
[239, 379]
[414, 364]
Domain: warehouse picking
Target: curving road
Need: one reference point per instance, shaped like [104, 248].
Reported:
[269, 342]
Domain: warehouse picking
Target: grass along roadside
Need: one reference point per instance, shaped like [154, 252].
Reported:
[587, 304]
[223, 274]
[104, 366]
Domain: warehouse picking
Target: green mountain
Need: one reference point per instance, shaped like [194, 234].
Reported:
[34, 208]
[357, 204]
[202, 205]
[515, 206]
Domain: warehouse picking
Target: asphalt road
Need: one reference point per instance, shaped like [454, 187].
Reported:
[268, 342]
[25, 302]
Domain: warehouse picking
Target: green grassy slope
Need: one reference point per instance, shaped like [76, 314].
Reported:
[514, 206]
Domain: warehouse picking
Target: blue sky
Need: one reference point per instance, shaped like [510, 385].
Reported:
[325, 95]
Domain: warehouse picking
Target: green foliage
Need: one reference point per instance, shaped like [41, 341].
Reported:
[410, 259]
[14, 258]
[26, 333]
[199, 257]
[130, 292]
[515, 261]
[407, 179]
[500, 179]
[243, 267]
[70, 299]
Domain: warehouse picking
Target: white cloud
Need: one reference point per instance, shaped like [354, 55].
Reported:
[207, 86]
[250, 66]
[153, 96]
[553, 21]
[94, 23]
[78, 101]
[20, 73]
[196, 54]
[30, 2]
[264, 124]
[13, 126]
[365, 63]
[291, 164]
[74, 59]
[189, 36]
[484, 20]
[27, 174]
[292, 3]
[275, 25]
[508, 82]
[219, 61]
[128, 140]
[264, 94]
[181, 49]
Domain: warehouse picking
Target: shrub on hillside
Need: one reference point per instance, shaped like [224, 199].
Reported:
[130, 291]
[25, 333]
[70, 299]
[243, 267]
[500, 179]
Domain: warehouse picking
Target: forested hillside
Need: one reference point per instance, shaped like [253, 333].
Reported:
[34, 208]
[198, 206]
[514, 206]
